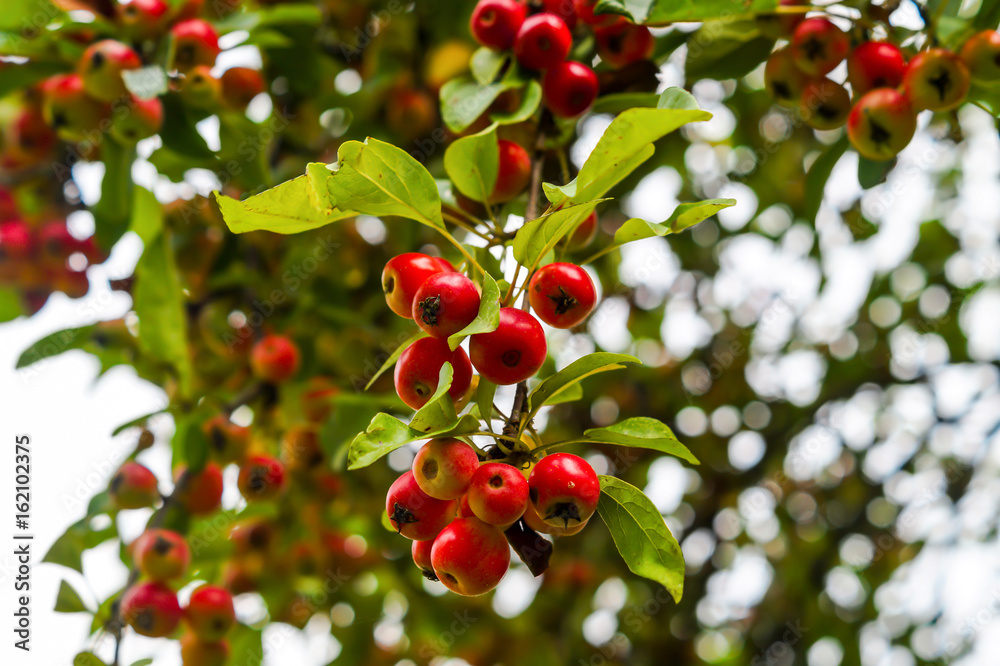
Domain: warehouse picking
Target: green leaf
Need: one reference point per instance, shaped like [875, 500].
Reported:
[642, 432]
[55, 344]
[143, 662]
[659, 12]
[246, 645]
[872, 173]
[111, 213]
[78, 537]
[21, 16]
[160, 304]
[10, 304]
[287, 208]
[472, 163]
[537, 237]
[641, 536]
[179, 133]
[86, 659]
[819, 173]
[684, 217]
[386, 433]
[618, 102]
[463, 100]
[574, 373]
[489, 314]
[725, 49]
[377, 178]
[68, 600]
[486, 64]
[439, 411]
[571, 393]
[146, 82]
[676, 98]
[531, 99]
[625, 145]
[23, 76]
[485, 393]
[396, 353]
[147, 216]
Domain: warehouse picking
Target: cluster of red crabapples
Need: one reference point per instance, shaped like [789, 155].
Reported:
[39, 255]
[81, 106]
[443, 301]
[455, 508]
[887, 90]
[151, 608]
[540, 35]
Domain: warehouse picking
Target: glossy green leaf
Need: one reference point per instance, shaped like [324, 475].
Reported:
[10, 304]
[642, 432]
[531, 99]
[486, 391]
[872, 173]
[489, 314]
[659, 12]
[676, 98]
[439, 411]
[111, 213]
[377, 178]
[819, 173]
[160, 305]
[396, 353]
[684, 217]
[87, 659]
[54, 344]
[67, 550]
[574, 373]
[472, 163]
[625, 144]
[386, 433]
[618, 102]
[641, 536]
[287, 208]
[68, 600]
[464, 99]
[539, 236]
[725, 50]
[486, 64]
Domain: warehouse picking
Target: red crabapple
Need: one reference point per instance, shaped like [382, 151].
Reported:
[201, 492]
[403, 275]
[562, 294]
[543, 41]
[415, 514]
[101, 66]
[981, 55]
[419, 367]
[818, 45]
[470, 557]
[275, 359]
[498, 494]
[444, 467]
[445, 304]
[881, 124]
[936, 79]
[210, 613]
[151, 609]
[875, 65]
[564, 490]
[421, 552]
[569, 88]
[261, 478]
[133, 487]
[624, 43]
[195, 43]
[495, 23]
[511, 353]
[513, 172]
[196, 652]
[161, 554]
